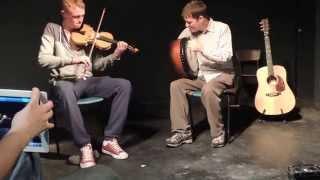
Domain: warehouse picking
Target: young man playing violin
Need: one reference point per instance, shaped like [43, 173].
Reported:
[210, 47]
[72, 78]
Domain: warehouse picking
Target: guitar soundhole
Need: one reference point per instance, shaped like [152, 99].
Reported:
[271, 79]
[276, 86]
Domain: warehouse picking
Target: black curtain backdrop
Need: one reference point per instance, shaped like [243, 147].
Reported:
[151, 26]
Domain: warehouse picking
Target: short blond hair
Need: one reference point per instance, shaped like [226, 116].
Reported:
[70, 4]
[195, 8]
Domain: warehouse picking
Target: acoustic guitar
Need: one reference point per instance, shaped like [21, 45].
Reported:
[273, 96]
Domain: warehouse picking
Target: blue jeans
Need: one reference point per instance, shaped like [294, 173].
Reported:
[27, 166]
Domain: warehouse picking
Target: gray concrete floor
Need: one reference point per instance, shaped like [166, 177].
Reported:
[258, 151]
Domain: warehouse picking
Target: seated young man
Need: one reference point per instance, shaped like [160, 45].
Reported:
[210, 47]
[72, 77]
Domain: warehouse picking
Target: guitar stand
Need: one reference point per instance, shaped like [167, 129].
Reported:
[282, 115]
[285, 119]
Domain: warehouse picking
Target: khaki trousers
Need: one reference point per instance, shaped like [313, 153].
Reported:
[179, 106]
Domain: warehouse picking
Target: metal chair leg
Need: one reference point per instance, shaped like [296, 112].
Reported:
[54, 120]
[228, 118]
[55, 135]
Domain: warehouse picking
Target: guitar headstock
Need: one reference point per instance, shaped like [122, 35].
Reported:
[264, 25]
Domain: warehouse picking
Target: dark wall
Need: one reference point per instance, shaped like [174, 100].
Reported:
[151, 26]
[317, 57]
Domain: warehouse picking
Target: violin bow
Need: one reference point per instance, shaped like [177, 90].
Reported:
[95, 38]
[97, 33]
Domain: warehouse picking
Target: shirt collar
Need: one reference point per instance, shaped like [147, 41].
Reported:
[210, 27]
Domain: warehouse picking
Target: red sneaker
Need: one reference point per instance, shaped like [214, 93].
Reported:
[112, 148]
[87, 158]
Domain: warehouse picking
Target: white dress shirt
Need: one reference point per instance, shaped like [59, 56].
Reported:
[216, 53]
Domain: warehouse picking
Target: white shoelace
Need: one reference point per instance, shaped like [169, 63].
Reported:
[177, 137]
[87, 153]
[114, 145]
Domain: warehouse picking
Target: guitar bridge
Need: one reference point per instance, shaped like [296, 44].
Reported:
[273, 94]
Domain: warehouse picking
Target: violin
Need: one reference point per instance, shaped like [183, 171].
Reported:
[104, 40]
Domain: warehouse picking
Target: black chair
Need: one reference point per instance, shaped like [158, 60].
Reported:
[229, 101]
[248, 61]
[245, 62]
[247, 58]
[230, 97]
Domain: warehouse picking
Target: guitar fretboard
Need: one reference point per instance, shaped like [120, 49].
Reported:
[268, 54]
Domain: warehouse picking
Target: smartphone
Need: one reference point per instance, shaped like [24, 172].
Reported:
[11, 102]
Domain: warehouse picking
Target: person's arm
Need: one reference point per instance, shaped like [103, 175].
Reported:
[101, 63]
[26, 124]
[184, 34]
[224, 52]
[46, 57]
